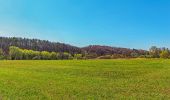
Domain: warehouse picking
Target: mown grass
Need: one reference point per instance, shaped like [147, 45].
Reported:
[85, 79]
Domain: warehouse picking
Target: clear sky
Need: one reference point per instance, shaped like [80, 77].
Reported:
[120, 23]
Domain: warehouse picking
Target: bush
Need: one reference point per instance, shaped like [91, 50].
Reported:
[165, 54]
[78, 56]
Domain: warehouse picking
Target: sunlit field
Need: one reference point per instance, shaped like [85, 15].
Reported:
[85, 79]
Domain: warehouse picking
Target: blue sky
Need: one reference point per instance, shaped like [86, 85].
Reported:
[120, 23]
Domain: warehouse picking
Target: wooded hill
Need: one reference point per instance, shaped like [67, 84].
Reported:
[99, 51]
[45, 45]
[36, 45]
[89, 52]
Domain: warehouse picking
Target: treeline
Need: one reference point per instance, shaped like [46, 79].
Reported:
[101, 52]
[92, 51]
[16, 53]
[36, 45]
[28, 49]
[105, 52]
[159, 52]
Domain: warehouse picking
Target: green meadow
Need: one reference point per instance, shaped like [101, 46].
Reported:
[85, 79]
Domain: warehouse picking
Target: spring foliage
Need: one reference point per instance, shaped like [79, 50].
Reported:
[16, 53]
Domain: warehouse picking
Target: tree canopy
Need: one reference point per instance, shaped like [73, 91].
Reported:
[21, 48]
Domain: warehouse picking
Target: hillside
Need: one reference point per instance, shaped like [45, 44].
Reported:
[43, 45]
[107, 50]
[37, 45]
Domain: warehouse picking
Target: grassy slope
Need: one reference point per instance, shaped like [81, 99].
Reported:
[92, 79]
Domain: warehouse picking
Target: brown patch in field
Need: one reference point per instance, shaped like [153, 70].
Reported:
[1, 97]
[166, 91]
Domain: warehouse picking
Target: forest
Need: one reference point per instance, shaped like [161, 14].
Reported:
[14, 48]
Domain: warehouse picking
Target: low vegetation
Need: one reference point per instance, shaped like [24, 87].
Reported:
[16, 53]
[144, 79]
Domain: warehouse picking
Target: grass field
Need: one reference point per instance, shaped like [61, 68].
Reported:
[90, 79]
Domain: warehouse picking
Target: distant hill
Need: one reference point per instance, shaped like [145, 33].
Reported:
[107, 50]
[37, 45]
[44, 45]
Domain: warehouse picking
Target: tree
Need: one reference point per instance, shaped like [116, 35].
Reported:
[134, 55]
[45, 55]
[165, 54]
[78, 56]
[154, 51]
[53, 56]
[1, 54]
[15, 53]
[66, 55]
